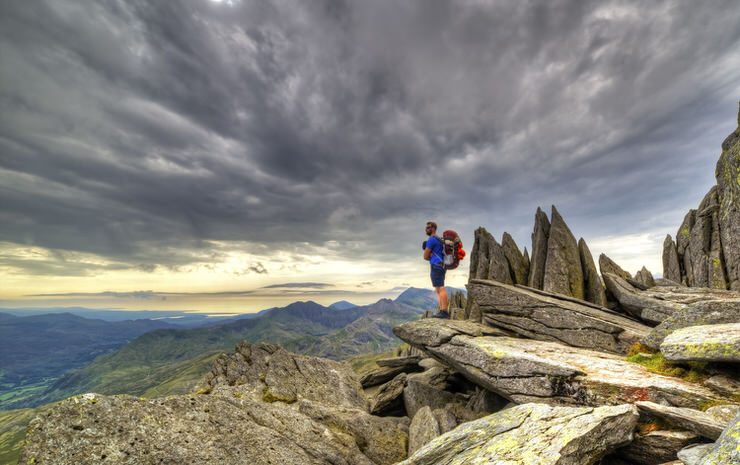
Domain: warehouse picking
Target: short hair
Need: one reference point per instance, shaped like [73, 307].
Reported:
[432, 224]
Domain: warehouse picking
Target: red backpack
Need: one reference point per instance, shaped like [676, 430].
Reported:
[453, 248]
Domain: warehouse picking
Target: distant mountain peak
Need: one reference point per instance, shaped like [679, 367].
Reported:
[342, 305]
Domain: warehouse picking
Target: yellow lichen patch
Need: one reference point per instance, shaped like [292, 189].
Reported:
[656, 363]
[269, 396]
[639, 348]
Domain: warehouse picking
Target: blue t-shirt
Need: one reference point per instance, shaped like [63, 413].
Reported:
[438, 251]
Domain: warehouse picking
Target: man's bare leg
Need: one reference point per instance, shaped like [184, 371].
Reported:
[442, 298]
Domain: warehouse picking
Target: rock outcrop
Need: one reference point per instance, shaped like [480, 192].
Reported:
[550, 318]
[533, 434]
[558, 263]
[697, 421]
[639, 304]
[726, 450]
[524, 370]
[708, 240]
[563, 273]
[708, 343]
[671, 267]
[695, 314]
[657, 447]
[593, 285]
[539, 250]
[258, 405]
[645, 277]
[607, 265]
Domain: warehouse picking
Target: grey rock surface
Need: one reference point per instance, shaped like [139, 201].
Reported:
[593, 286]
[637, 303]
[381, 375]
[424, 427]
[539, 249]
[270, 373]
[539, 316]
[563, 273]
[657, 447]
[607, 265]
[696, 313]
[410, 361]
[487, 258]
[723, 384]
[671, 267]
[92, 429]
[417, 394]
[389, 398]
[728, 192]
[693, 454]
[724, 414]
[708, 343]
[533, 434]
[645, 277]
[684, 418]
[726, 451]
[523, 370]
[517, 266]
[381, 439]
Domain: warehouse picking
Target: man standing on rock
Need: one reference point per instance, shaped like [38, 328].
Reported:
[434, 253]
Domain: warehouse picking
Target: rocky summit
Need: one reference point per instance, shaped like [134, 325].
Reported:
[548, 360]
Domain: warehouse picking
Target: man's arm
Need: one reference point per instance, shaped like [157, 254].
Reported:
[427, 254]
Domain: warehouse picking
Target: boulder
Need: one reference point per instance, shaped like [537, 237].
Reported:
[389, 399]
[727, 448]
[533, 434]
[671, 268]
[381, 375]
[593, 286]
[563, 273]
[417, 394]
[693, 454]
[517, 266]
[223, 429]
[634, 302]
[708, 343]
[270, 373]
[523, 370]
[657, 447]
[436, 377]
[695, 314]
[381, 439]
[723, 384]
[546, 317]
[724, 413]
[645, 277]
[689, 419]
[539, 250]
[424, 428]
[607, 265]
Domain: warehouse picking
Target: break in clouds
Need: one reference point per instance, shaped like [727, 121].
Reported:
[163, 133]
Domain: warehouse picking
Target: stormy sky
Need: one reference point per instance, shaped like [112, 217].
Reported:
[190, 153]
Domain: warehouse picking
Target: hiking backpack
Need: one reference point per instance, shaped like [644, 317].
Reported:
[453, 249]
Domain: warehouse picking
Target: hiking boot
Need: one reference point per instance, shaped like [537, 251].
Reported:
[442, 314]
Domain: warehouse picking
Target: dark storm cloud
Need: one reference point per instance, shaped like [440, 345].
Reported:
[145, 131]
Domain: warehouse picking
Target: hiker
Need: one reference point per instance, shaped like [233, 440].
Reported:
[434, 253]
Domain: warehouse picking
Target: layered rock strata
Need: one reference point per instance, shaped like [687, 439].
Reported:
[550, 318]
[523, 370]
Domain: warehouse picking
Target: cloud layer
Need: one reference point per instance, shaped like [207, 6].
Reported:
[155, 134]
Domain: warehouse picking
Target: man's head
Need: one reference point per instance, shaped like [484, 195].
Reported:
[431, 228]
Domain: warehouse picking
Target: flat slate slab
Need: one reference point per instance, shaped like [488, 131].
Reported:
[524, 370]
[707, 343]
[533, 434]
[693, 420]
[548, 317]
